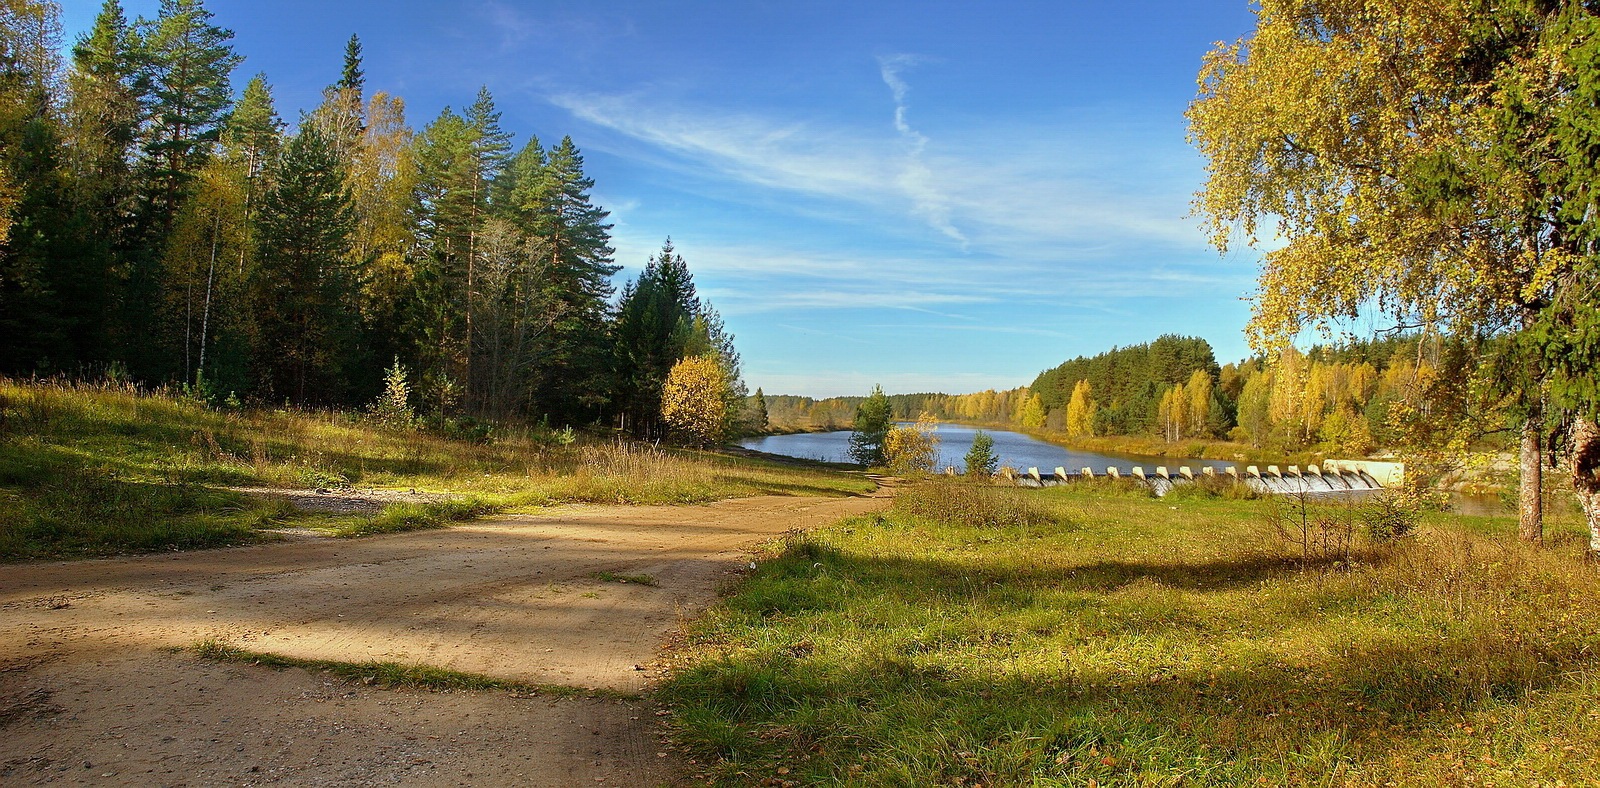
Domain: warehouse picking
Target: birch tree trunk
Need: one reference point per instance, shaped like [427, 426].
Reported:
[1586, 476]
[1530, 492]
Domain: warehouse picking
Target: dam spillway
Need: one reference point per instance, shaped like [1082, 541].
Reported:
[1334, 477]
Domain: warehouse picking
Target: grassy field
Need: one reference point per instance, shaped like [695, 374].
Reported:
[93, 470]
[1097, 637]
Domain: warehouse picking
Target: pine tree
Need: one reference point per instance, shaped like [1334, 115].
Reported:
[186, 69]
[304, 291]
[981, 461]
[491, 149]
[442, 215]
[253, 131]
[458, 159]
[190, 66]
[104, 110]
[874, 419]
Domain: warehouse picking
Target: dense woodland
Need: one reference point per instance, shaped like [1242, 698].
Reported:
[160, 228]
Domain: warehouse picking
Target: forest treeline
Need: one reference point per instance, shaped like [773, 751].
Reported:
[1349, 398]
[159, 228]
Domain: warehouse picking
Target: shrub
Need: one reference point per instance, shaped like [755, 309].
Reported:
[913, 449]
[1391, 514]
[393, 407]
[981, 460]
[973, 505]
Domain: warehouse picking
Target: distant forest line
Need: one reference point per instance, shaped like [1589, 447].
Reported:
[1352, 397]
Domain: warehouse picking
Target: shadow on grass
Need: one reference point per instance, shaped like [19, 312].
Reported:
[53, 505]
[817, 657]
[939, 577]
[1231, 723]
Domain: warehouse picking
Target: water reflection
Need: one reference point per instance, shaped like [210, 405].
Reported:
[1014, 449]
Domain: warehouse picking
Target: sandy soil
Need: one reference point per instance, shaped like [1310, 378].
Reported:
[88, 694]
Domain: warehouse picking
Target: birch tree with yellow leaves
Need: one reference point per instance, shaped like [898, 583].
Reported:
[1401, 159]
[693, 401]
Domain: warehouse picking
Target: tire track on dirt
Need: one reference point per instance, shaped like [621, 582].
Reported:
[515, 598]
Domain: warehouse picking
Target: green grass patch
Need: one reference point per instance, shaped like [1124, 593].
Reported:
[611, 577]
[400, 517]
[1126, 640]
[392, 675]
[53, 507]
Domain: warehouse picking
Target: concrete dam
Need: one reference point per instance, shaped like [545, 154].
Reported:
[1331, 478]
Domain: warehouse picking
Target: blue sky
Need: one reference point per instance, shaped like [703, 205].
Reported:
[927, 195]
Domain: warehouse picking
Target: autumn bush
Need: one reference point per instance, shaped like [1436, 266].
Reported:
[911, 449]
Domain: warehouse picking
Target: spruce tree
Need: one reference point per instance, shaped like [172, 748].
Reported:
[51, 272]
[874, 419]
[352, 77]
[653, 331]
[760, 421]
[103, 112]
[304, 290]
[575, 384]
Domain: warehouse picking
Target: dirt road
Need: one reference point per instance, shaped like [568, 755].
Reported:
[90, 693]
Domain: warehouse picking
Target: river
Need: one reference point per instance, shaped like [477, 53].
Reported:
[1014, 449]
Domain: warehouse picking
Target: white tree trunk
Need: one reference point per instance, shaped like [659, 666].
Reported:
[1530, 509]
[1586, 476]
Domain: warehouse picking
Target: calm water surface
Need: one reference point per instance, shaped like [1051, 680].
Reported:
[1014, 449]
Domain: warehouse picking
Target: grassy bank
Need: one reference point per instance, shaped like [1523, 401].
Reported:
[93, 470]
[1076, 636]
[391, 675]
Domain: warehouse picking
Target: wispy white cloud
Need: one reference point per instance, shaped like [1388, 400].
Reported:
[785, 155]
[1061, 192]
[916, 178]
[513, 27]
[948, 328]
[818, 383]
[879, 298]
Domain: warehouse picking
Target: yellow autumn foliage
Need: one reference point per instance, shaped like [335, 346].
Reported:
[1317, 123]
[913, 448]
[694, 399]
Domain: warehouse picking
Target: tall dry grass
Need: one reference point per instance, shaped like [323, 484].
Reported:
[163, 458]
